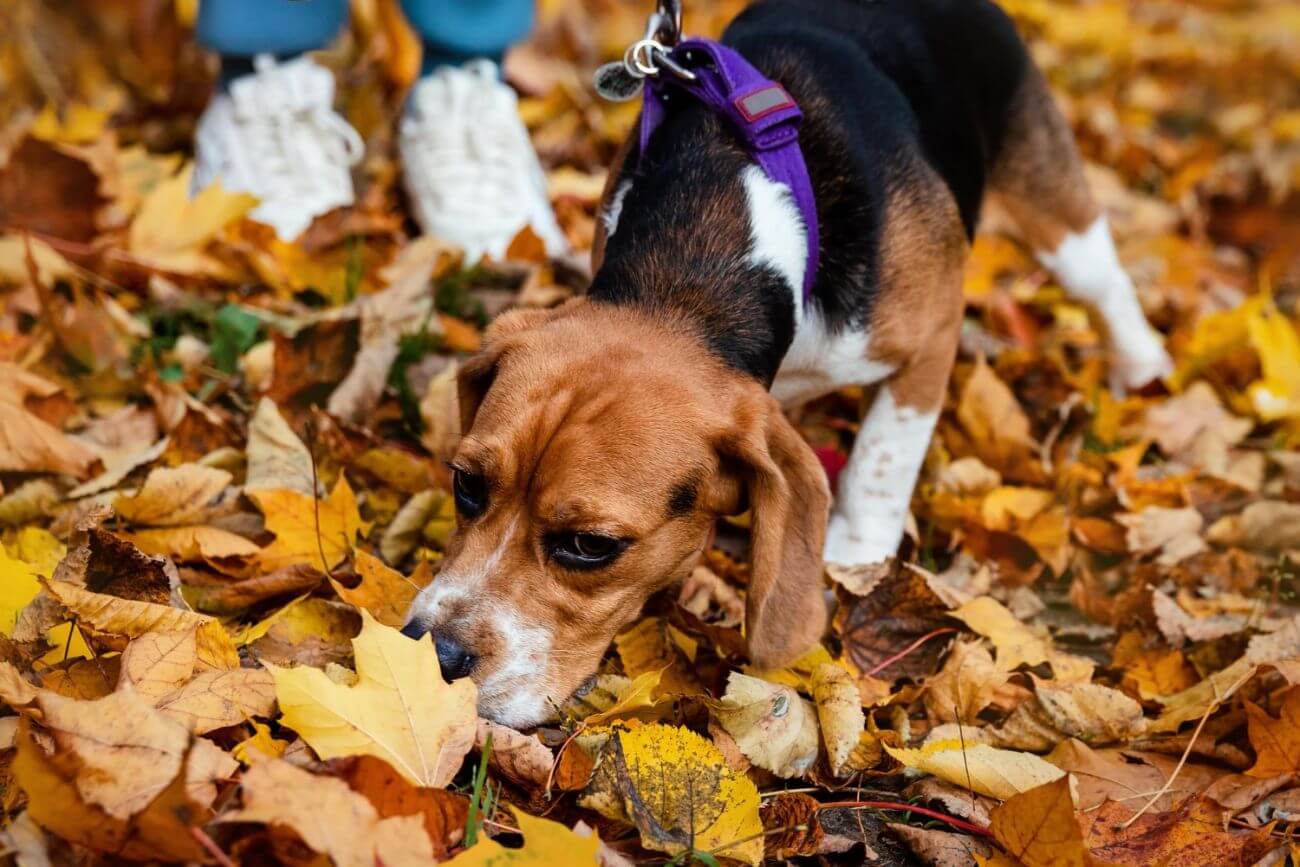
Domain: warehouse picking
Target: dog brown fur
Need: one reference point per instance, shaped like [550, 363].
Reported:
[589, 418]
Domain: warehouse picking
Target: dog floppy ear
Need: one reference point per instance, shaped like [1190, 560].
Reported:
[789, 500]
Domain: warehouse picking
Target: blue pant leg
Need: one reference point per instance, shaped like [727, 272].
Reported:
[243, 28]
[457, 30]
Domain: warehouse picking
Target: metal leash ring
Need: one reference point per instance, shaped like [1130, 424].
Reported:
[647, 57]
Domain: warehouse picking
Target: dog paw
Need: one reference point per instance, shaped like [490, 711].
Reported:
[845, 546]
[1135, 366]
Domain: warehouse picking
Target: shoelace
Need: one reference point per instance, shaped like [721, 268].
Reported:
[493, 146]
[280, 144]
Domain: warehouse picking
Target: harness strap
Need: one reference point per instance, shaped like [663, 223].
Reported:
[758, 109]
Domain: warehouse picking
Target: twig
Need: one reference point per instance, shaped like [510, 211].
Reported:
[209, 844]
[965, 760]
[910, 808]
[1228, 693]
[943, 630]
[315, 495]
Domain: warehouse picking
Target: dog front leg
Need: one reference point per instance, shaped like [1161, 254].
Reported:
[875, 488]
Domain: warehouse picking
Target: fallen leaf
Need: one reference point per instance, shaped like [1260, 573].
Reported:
[647, 646]
[943, 848]
[1191, 835]
[897, 607]
[157, 663]
[277, 458]
[217, 699]
[231, 597]
[1172, 534]
[678, 791]
[1181, 425]
[1015, 643]
[839, 711]
[773, 726]
[1266, 525]
[28, 444]
[790, 825]
[173, 496]
[192, 544]
[329, 817]
[316, 532]
[18, 587]
[56, 804]
[1093, 713]
[1276, 741]
[1179, 627]
[110, 615]
[520, 757]
[996, 424]
[171, 228]
[126, 752]
[444, 813]
[440, 412]
[1038, 829]
[1198, 700]
[965, 685]
[383, 591]
[545, 843]
[989, 771]
[400, 709]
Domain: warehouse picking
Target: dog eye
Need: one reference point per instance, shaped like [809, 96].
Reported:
[585, 550]
[470, 491]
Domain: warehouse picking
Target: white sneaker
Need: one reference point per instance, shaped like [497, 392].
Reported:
[276, 135]
[470, 169]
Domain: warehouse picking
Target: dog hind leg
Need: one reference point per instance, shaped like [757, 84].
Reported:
[1038, 180]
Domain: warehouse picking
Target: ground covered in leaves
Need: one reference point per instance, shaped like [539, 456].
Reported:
[221, 485]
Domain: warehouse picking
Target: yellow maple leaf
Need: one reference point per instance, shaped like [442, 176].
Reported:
[171, 228]
[400, 709]
[1216, 335]
[383, 591]
[307, 529]
[260, 742]
[545, 843]
[1277, 393]
[679, 792]
[78, 123]
[18, 586]
[1016, 643]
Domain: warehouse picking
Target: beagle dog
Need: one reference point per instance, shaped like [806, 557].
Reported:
[603, 438]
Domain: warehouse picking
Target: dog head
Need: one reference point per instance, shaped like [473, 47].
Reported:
[598, 447]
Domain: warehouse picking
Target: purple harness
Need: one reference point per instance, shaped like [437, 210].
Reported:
[761, 112]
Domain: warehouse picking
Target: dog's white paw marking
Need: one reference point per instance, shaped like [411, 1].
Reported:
[846, 547]
[1088, 268]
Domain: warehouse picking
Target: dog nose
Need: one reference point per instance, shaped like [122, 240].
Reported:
[454, 660]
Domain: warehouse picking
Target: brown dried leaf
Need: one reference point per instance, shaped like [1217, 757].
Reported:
[443, 812]
[330, 818]
[1037, 827]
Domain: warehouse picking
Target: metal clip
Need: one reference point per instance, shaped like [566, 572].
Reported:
[647, 57]
[651, 53]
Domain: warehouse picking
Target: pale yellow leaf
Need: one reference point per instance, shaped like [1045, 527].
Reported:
[400, 710]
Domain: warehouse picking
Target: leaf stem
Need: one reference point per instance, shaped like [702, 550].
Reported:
[943, 630]
[910, 808]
